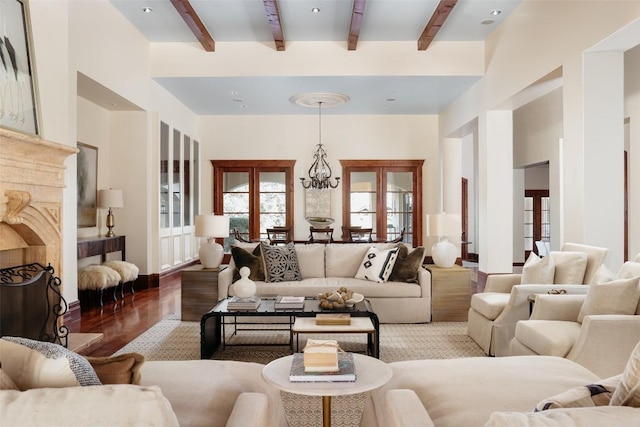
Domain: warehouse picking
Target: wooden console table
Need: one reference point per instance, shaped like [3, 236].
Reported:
[92, 246]
[450, 293]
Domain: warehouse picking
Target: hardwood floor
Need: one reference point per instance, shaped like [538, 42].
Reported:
[123, 321]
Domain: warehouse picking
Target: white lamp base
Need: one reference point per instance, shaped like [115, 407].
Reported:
[211, 253]
[444, 254]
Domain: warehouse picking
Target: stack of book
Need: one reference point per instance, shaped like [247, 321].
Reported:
[237, 303]
[333, 319]
[346, 370]
[287, 302]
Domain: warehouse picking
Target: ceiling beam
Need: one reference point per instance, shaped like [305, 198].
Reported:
[191, 18]
[273, 14]
[356, 23]
[435, 23]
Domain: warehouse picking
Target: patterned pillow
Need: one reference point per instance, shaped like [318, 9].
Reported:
[628, 391]
[538, 271]
[37, 364]
[582, 397]
[253, 260]
[377, 264]
[280, 263]
[407, 264]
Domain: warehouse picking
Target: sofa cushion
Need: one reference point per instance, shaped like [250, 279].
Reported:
[37, 364]
[252, 258]
[538, 270]
[490, 304]
[628, 391]
[629, 269]
[598, 394]
[121, 369]
[407, 264]
[311, 260]
[6, 383]
[280, 262]
[104, 405]
[616, 297]
[570, 266]
[567, 417]
[377, 264]
[603, 274]
[548, 337]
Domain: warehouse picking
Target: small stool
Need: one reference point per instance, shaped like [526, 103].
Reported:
[128, 273]
[98, 278]
[359, 325]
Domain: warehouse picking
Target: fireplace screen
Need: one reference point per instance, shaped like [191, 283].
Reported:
[31, 304]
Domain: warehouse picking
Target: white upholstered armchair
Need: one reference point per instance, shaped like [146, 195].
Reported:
[494, 313]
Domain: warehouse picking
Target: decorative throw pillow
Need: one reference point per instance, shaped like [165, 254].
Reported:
[280, 263]
[377, 264]
[121, 369]
[407, 264]
[6, 383]
[582, 397]
[538, 271]
[628, 391]
[253, 260]
[570, 266]
[616, 297]
[603, 274]
[37, 364]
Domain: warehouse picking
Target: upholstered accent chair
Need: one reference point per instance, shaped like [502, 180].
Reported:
[494, 313]
[598, 330]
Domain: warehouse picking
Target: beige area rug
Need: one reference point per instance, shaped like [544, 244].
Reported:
[172, 339]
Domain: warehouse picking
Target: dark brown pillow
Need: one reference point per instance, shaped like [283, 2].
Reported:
[253, 260]
[407, 265]
[121, 369]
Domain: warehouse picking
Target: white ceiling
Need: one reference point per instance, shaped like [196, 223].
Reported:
[383, 20]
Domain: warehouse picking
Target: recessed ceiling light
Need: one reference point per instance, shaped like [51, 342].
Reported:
[234, 92]
[238, 100]
[390, 99]
[495, 12]
[315, 9]
[147, 10]
[487, 22]
[243, 106]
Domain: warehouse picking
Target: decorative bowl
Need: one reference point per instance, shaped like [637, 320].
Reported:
[319, 222]
[355, 298]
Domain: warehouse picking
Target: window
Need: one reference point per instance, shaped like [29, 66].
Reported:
[254, 194]
[536, 218]
[384, 195]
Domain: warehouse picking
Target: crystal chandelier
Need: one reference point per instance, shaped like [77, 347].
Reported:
[320, 171]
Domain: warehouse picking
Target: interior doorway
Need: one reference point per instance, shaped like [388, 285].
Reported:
[464, 241]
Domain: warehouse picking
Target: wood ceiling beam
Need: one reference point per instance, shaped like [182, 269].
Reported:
[273, 14]
[191, 18]
[436, 22]
[356, 23]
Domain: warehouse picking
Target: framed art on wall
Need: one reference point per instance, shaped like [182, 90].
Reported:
[87, 185]
[18, 95]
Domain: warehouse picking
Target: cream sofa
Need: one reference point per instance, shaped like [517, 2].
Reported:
[326, 267]
[490, 392]
[495, 311]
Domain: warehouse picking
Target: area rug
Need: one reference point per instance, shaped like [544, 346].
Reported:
[172, 339]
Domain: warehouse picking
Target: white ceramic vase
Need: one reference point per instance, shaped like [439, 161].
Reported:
[245, 287]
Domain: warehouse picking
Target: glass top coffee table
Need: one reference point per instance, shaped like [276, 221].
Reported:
[213, 323]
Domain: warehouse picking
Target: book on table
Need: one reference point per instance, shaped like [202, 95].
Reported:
[291, 302]
[346, 370]
[333, 319]
[237, 303]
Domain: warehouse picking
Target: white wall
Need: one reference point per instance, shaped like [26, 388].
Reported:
[632, 112]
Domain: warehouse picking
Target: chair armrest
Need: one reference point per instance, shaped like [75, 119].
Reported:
[424, 280]
[250, 409]
[501, 282]
[405, 409]
[225, 278]
[557, 307]
[606, 342]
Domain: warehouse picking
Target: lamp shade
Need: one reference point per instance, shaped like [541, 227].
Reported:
[212, 226]
[444, 224]
[110, 199]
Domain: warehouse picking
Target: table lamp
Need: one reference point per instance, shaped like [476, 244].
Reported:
[211, 227]
[109, 199]
[444, 253]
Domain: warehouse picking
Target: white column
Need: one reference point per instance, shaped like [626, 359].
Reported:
[518, 215]
[495, 176]
[603, 152]
[451, 180]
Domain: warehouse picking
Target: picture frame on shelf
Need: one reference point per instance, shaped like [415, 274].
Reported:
[18, 84]
[87, 182]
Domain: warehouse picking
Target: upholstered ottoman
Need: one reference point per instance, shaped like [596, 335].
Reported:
[98, 278]
[128, 273]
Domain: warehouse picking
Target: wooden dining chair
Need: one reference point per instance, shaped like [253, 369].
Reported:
[239, 237]
[320, 235]
[360, 234]
[279, 235]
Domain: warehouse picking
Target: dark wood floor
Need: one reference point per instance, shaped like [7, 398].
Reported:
[127, 319]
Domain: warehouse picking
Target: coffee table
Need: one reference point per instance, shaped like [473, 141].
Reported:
[371, 373]
[213, 323]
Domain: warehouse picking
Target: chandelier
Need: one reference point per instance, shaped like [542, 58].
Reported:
[320, 172]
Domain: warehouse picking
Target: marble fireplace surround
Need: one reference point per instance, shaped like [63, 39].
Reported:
[31, 200]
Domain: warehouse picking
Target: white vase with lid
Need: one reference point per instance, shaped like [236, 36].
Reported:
[244, 288]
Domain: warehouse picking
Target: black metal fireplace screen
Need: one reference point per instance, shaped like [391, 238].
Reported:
[31, 304]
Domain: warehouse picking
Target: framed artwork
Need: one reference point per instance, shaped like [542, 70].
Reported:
[87, 185]
[317, 203]
[18, 95]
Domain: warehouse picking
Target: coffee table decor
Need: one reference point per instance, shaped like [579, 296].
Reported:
[339, 298]
[346, 371]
